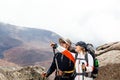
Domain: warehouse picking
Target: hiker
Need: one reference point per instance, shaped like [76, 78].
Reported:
[83, 69]
[63, 65]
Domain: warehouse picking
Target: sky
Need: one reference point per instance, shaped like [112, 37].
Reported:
[94, 21]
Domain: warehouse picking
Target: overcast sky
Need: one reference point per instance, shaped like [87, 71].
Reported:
[88, 20]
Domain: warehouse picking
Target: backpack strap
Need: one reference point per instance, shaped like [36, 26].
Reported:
[86, 58]
[62, 58]
[66, 53]
[76, 56]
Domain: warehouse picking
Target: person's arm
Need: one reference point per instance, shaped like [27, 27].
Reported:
[52, 68]
[89, 67]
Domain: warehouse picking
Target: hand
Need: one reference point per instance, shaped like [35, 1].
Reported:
[44, 75]
[53, 45]
[83, 66]
[59, 73]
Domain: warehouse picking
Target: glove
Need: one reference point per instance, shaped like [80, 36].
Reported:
[53, 45]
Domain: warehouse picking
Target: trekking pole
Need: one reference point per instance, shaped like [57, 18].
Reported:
[57, 68]
[83, 72]
[55, 60]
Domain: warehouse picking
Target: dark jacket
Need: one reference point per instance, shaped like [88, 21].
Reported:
[64, 64]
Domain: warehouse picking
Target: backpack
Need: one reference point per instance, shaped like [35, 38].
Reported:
[91, 51]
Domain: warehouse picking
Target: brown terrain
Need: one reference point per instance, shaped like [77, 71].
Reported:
[26, 46]
[6, 63]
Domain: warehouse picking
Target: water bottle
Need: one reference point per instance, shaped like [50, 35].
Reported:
[96, 63]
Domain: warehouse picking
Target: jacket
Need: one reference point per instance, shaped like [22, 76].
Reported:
[64, 64]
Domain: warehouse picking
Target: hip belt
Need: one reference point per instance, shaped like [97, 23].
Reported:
[68, 71]
[84, 74]
[79, 73]
[65, 74]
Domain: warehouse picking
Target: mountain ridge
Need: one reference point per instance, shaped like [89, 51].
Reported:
[25, 46]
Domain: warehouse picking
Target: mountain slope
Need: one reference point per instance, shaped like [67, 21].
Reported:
[25, 46]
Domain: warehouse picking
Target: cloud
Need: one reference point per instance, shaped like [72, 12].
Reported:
[95, 21]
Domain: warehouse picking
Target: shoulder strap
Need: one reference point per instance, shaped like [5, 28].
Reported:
[92, 53]
[86, 58]
[76, 54]
[69, 55]
[76, 58]
[66, 53]
[62, 57]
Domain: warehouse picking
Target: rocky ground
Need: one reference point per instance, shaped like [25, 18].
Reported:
[109, 59]
[19, 73]
[109, 72]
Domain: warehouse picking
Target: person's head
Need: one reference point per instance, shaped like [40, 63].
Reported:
[80, 46]
[66, 43]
